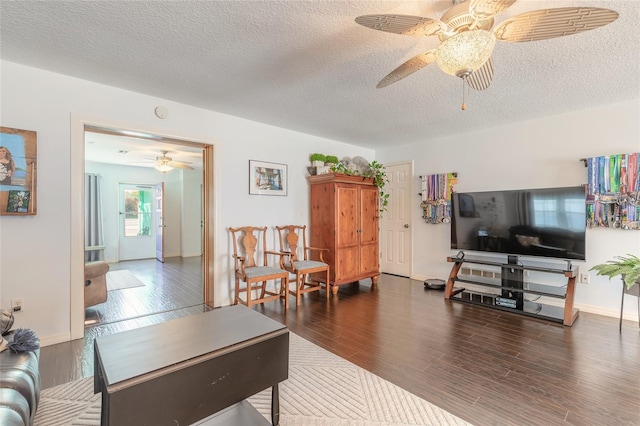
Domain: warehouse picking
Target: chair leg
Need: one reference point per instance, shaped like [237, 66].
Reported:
[284, 283]
[237, 291]
[299, 284]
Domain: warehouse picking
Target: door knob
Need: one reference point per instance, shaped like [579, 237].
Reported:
[406, 225]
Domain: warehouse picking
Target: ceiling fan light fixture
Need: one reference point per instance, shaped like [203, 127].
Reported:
[163, 167]
[464, 53]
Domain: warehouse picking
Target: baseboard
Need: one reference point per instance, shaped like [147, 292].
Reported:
[615, 313]
[55, 339]
[192, 255]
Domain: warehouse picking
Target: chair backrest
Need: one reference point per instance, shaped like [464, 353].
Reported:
[290, 236]
[246, 242]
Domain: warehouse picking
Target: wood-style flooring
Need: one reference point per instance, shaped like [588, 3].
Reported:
[485, 366]
[175, 284]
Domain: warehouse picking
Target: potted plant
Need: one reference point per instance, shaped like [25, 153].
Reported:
[340, 168]
[317, 159]
[628, 267]
[331, 160]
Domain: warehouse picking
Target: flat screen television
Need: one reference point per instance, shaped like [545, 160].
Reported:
[548, 222]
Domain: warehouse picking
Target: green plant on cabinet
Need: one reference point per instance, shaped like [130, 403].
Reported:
[377, 172]
[331, 159]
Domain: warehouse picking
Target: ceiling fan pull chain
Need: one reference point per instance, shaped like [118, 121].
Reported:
[464, 105]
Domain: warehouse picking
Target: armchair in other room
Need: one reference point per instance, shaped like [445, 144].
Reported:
[95, 283]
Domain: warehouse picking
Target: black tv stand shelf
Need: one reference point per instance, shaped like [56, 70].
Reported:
[507, 293]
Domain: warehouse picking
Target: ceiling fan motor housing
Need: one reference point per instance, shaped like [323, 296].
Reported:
[459, 19]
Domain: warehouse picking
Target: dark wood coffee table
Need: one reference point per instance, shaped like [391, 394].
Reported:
[184, 370]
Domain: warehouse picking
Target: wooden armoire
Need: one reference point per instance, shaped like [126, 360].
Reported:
[344, 220]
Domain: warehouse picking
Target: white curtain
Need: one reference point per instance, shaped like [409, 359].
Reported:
[93, 232]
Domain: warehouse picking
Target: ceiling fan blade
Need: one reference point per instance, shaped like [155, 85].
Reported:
[412, 65]
[483, 10]
[139, 162]
[415, 26]
[481, 78]
[180, 165]
[550, 23]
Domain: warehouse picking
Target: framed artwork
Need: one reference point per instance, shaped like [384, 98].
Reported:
[267, 178]
[18, 162]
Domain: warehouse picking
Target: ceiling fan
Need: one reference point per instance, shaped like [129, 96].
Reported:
[467, 38]
[166, 164]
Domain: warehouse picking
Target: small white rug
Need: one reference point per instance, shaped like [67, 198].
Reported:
[118, 280]
[322, 389]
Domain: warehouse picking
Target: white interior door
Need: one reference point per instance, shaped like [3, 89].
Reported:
[136, 222]
[159, 213]
[395, 224]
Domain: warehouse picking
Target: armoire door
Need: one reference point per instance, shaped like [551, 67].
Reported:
[347, 236]
[368, 229]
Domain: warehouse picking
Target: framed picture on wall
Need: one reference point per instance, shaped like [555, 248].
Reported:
[17, 171]
[267, 178]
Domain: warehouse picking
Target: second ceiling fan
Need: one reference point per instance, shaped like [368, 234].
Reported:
[165, 164]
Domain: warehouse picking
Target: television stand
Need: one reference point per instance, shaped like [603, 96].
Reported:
[507, 291]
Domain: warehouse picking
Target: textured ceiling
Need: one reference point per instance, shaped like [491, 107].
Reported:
[307, 66]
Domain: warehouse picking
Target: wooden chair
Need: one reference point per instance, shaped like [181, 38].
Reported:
[290, 236]
[246, 242]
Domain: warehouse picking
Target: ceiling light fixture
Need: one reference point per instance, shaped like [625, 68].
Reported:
[163, 167]
[464, 53]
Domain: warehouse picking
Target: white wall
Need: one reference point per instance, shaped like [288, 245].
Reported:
[533, 154]
[191, 242]
[172, 212]
[35, 251]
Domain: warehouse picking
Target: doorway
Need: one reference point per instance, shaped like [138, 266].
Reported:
[395, 224]
[137, 227]
[205, 219]
[134, 218]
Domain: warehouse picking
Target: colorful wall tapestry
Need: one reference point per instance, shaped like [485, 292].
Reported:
[436, 197]
[613, 191]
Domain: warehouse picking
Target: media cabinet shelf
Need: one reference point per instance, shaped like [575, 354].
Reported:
[511, 288]
[532, 288]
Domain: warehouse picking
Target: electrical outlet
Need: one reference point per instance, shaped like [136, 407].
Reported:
[17, 305]
[584, 278]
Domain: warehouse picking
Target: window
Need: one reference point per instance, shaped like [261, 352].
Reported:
[137, 212]
[554, 212]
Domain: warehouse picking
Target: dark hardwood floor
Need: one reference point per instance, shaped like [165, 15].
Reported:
[485, 366]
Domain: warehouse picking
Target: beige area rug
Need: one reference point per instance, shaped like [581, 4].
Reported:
[118, 280]
[343, 394]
